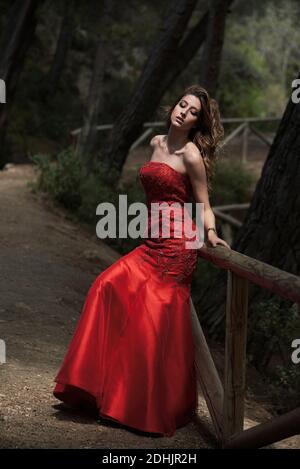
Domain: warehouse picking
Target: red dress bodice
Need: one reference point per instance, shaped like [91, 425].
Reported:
[168, 187]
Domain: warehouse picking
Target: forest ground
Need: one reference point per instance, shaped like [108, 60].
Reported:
[48, 261]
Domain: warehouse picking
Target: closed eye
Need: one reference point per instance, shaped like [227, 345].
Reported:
[183, 105]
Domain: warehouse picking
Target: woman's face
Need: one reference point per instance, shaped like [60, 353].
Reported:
[186, 112]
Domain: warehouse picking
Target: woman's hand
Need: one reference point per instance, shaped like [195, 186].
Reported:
[215, 240]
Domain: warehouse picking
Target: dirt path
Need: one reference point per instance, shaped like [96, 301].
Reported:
[48, 262]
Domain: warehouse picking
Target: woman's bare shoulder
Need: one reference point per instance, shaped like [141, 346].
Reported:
[156, 139]
[192, 156]
[191, 147]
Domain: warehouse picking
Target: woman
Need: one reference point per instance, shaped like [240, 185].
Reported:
[132, 353]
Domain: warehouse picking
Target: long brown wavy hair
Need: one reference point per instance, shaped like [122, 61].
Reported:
[208, 130]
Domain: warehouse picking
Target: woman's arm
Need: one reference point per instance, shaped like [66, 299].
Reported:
[196, 170]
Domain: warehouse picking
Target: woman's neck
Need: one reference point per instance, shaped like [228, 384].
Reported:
[176, 139]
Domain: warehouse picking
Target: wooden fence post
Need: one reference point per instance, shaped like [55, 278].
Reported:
[235, 354]
[207, 375]
[245, 143]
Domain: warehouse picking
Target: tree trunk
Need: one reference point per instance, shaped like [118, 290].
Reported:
[62, 47]
[186, 51]
[180, 60]
[271, 229]
[212, 52]
[184, 54]
[148, 92]
[16, 39]
[95, 100]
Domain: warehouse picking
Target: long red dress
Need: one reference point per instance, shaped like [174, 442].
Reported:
[132, 353]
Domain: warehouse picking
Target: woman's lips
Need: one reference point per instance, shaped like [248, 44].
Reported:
[179, 119]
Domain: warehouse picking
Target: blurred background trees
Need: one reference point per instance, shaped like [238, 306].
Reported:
[257, 64]
[71, 65]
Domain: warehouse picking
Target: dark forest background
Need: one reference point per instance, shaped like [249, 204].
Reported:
[76, 65]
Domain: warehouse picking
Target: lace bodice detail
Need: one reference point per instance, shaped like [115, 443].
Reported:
[162, 183]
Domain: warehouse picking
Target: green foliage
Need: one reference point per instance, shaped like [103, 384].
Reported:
[102, 186]
[270, 326]
[232, 183]
[36, 112]
[284, 385]
[203, 275]
[255, 77]
[60, 178]
[242, 75]
[271, 330]
[94, 190]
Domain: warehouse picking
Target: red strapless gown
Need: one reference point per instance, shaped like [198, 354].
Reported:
[132, 353]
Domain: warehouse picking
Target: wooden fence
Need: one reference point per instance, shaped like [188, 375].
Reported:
[246, 125]
[226, 403]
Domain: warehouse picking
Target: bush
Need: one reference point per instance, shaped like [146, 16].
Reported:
[232, 184]
[284, 385]
[271, 330]
[60, 178]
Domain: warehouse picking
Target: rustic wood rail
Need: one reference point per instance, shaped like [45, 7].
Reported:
[246, 125]
[226, 405]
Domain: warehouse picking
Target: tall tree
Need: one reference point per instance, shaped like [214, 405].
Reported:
[212, 50]
[62, 47]
[147, 93]
[95, 99]
[187, 49]
[16, 39]
[178, 60]
[271, 229]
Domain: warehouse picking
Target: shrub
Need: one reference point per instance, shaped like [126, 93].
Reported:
[232, 183]
[60, 178]
[271, 330]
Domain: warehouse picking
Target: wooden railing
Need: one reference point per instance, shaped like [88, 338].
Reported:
[246, 125]
[227, 222]
[226, 404]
